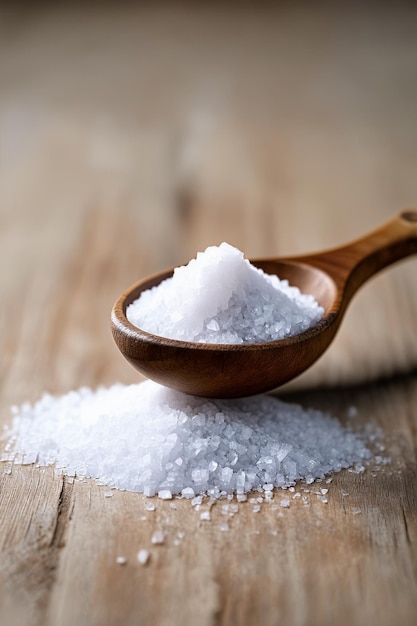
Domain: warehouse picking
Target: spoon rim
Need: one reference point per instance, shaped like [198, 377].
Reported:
[137, 334]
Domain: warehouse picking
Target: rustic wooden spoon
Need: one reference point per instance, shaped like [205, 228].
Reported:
[227, 371]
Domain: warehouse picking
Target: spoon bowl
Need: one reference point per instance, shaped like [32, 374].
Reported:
[235, 370]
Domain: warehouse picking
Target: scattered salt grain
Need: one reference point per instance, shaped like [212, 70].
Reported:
[205, 516]
[121, 560]
[158, 537]
[108, 494]
[220, 297]
[150, 506]
[356, 510]
[143, 556]
[285, 503]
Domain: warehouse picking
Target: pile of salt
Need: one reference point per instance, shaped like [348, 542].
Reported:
[220, 297]
[154, 440]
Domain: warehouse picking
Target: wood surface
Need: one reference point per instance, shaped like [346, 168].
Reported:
[131, 137]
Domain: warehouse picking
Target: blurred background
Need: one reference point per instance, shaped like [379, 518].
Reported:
[133, 135]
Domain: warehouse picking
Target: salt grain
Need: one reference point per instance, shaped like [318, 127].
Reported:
[165, 494]
[143, 556]
[220, 297]
[158, 537]
[121, 560]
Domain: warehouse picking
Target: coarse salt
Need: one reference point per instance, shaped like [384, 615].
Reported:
[220, 297]
[143, 556]
[129, 437]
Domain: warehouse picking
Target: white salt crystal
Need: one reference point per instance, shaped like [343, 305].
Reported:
[285, 503]
[143, 555]
[165, 494]
[205, 516]
[188, 492]
[158, 537]
[121, 560]
[108, 494]
[356, 510]
[220, 297]
[150, 506]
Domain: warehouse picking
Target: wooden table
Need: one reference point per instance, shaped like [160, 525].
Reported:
[130, 138]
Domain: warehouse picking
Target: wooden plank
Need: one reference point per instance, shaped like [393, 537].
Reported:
[97, 189]
[313, 564]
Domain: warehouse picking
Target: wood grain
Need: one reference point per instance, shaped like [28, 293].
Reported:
[156, 128]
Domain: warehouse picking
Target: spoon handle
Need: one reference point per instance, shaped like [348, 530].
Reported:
[352, 264]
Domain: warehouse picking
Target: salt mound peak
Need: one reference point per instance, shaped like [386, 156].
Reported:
[220, 297]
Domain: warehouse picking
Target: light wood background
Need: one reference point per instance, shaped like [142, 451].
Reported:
[131, 137]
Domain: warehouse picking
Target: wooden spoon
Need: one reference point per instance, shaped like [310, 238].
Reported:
[226, 370]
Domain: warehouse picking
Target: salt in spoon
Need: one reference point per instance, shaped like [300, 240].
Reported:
[235, 370]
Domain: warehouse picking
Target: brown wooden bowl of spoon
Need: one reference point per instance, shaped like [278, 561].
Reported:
[229, 370]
